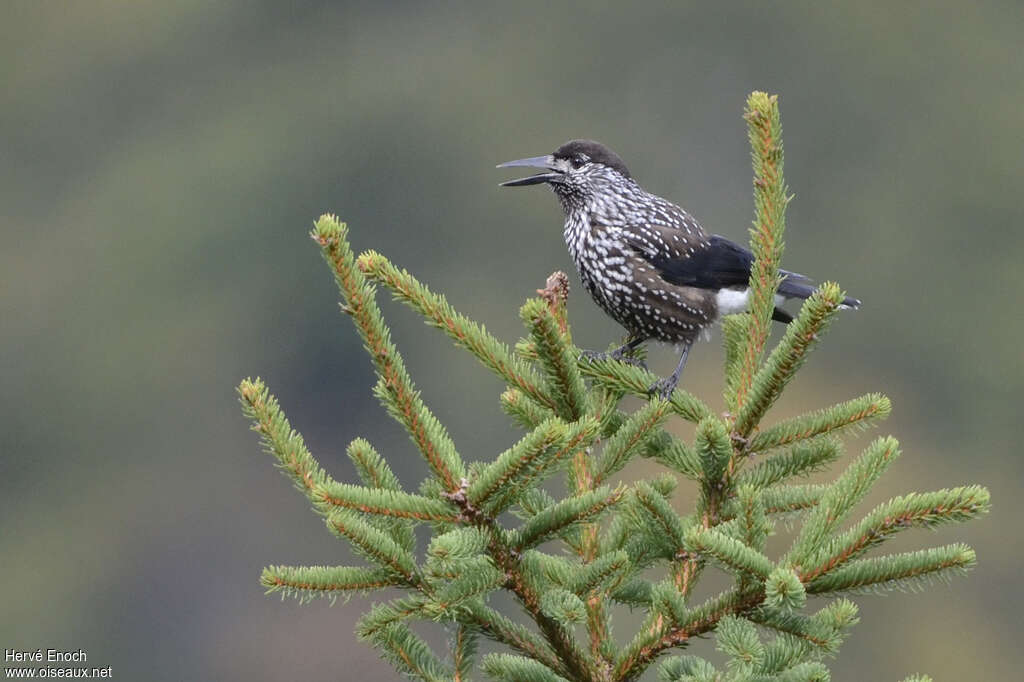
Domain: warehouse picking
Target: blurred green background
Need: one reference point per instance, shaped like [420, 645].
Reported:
[162, 164]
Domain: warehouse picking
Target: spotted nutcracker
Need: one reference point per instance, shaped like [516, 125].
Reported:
[645, 261]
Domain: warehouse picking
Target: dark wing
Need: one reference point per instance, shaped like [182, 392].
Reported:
[706, 263]
[714, 263]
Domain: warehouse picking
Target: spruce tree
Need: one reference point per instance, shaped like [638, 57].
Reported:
[574, 561]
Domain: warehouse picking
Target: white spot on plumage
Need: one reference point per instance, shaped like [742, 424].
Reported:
[731, 301]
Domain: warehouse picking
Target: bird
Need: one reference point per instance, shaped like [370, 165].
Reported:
[644, 260]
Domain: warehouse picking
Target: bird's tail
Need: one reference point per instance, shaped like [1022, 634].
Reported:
[798, 286]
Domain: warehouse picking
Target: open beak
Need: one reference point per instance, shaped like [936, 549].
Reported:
[546, 162]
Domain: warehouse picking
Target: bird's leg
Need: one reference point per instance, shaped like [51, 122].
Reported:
[624, 353]
[621, 353]
[663, 387]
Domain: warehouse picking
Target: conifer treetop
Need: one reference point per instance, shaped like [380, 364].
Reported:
[575, 560]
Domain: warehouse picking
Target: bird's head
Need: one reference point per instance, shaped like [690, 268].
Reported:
[579, 168]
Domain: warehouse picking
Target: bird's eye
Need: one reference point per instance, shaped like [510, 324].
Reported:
[579, 159]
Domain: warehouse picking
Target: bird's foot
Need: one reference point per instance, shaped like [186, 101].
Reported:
[663, 388]
[594, 355]
[620, 354]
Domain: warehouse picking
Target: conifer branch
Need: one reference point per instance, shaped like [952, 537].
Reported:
[811, 671]
[603, 406]
[563, 606]
[556, 570]
[281, 441]
[801, 335]
[730, 552]
[686, 669]
[770, 200]
[630, 438]
[917, 510]
[504, 631]
[667, 522]
[523, 409]
[559, 517]
[374, 544]
[395, 386]
[510, 668]
[791, 498]
[668, 604]
[714, 450]
[374, 472]
[784, 590]
[557, 357]
[465, 542]
[575, 661]
[523, 458]
[737, 638]
[306, 582]
[824, 630]
[383, 615]
[463, 651]
[643, 650]
[533, 502]
[802, 459]
[636, 593]
[636, 381]
[371, 467]
[494, 354]
[603, 574]
[517, 469]
[386, 502]
[840, 498]
[556, 294]
[526, 349]
[752, 517]
[734, 339]
[675, 454]
[908, 570]
[409, 653]
[473, 578]
[858, 412]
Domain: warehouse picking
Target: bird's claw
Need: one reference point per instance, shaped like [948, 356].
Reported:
[635, 362]
[628, 359]
[663, 388]
[593, 355]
